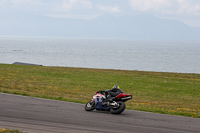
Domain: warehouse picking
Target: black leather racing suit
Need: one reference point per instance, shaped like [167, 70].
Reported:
[109, 94]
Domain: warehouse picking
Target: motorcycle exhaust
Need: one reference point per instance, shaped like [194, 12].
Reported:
[125, 98]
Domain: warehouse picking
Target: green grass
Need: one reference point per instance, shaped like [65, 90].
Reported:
[168, 93]
[5, 130]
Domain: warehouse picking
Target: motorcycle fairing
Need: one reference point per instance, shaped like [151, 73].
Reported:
[98, 104]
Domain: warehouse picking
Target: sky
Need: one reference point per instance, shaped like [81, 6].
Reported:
[186, 11]
[137, 19]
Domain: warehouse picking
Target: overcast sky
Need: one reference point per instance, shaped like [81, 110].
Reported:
[187, 11]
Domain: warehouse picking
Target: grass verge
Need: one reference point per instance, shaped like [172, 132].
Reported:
[168, 93]
[5, 130]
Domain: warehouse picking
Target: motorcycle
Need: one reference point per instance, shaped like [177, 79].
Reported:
[116, 105]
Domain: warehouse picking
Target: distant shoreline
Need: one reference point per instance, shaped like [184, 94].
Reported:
[30, 64]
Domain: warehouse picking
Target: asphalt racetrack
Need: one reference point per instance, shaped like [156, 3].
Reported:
[50, 116]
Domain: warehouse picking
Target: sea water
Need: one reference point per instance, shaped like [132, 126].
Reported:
[123, 54]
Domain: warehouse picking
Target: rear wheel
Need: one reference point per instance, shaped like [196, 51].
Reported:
[119, 108]
[90, 106]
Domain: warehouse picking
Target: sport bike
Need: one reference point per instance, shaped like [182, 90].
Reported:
[115, 105]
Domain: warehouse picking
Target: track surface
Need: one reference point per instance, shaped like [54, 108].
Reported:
[49, 116]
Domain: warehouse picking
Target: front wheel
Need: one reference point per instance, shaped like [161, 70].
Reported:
[90, 106]
[119, 109]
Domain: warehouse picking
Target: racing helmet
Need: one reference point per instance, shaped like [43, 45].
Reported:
[116, 87]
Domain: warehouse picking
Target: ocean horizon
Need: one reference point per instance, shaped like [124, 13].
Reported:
[120, 54]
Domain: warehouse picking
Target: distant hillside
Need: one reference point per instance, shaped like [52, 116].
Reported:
[136, 27]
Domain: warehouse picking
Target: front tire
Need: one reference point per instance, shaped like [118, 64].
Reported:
[119, 109]
[90, 106]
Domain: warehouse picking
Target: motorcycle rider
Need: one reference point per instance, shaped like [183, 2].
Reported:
[109, 94]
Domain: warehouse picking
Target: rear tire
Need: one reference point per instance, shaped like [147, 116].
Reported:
[90, 106]
[119, 109]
